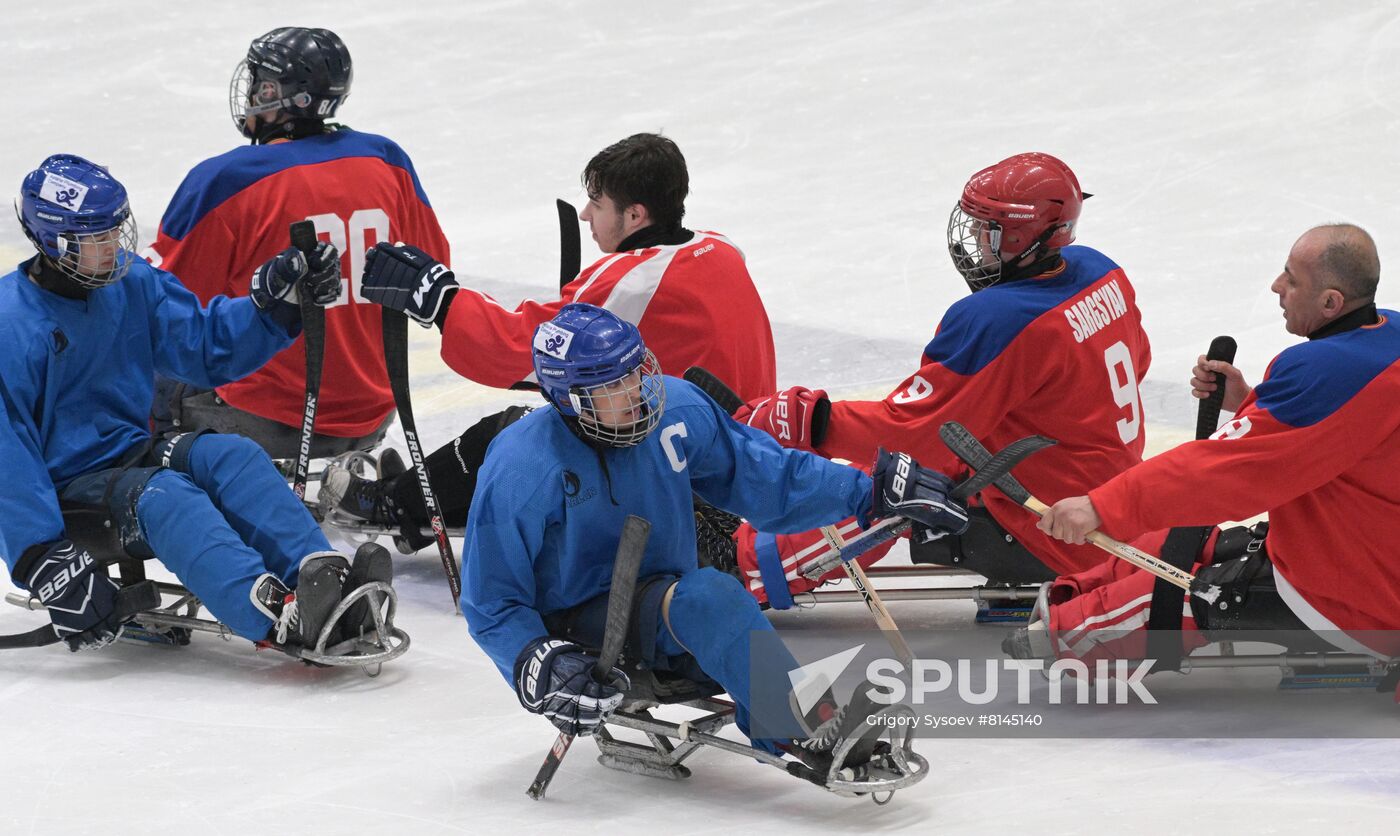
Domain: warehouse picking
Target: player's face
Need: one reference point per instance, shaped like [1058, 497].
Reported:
[610, 223]
[97, 254]
[1301, 292]
[617, 405]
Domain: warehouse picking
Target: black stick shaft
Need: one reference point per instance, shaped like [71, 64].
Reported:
[313, 327]
[1208, 413]
[631, 548]
[396, 361]
[570, 248]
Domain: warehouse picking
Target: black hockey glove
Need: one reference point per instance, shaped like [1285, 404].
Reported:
[555, 678]
[80, 598]
[405, 278]
[918, 494]
[278, 283]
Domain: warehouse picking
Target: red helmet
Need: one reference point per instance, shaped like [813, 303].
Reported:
[1010, 215]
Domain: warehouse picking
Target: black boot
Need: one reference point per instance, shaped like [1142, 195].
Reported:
[371, 564]
[299, 615]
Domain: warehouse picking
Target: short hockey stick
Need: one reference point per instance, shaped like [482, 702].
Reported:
[396, 361]
[966, 447]
[631, 547]
[313, 328]
[729, 401]
[570, 249]
[1208, 412]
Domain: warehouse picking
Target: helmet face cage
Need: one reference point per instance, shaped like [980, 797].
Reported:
[975, 245]
[98, 259]
[622, 412]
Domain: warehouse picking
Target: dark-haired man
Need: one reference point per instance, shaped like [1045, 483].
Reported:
[688, 292]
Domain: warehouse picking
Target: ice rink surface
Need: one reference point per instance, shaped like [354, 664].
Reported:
[829, 141]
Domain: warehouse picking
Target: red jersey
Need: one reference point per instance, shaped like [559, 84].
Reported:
[232, 213]
[694, 303]
[1060, 355]
[1317, 445]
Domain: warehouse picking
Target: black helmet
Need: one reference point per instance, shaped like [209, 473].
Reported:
[299, 75]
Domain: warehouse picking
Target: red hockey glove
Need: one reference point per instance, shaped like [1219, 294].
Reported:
[796, 417]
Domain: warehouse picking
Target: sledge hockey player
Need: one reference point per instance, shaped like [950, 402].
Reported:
[91, 324]
[689, 292]
[1050, 341]
[622, 439]
[231, 213]
[1316, 444]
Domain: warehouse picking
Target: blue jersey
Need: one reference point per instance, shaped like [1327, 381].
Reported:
[549, 508]
[78, 377]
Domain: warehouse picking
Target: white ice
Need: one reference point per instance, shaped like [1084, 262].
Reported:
[829, 140]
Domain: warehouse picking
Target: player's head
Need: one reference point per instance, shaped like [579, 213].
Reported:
[292, 80]
[1013, 218]
[639, 182]
[1331, 271]
[78, 217]
[595, 369]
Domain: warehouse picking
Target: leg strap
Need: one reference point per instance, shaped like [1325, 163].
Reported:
[770, 568]
[1182, 549]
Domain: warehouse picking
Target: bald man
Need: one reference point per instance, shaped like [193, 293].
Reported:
[1316, 445]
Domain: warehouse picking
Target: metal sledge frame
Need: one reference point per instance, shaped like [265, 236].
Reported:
[672, 743]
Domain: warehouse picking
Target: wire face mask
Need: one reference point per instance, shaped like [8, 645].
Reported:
[623, 412]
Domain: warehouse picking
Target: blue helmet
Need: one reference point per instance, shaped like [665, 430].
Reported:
[594, 367]
[78, 217]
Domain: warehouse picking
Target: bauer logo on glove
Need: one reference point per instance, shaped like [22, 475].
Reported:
[903, 488]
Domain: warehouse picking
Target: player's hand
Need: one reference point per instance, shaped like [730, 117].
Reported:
[1070, 520]
[1203, 382]
[555, 678]
[904, 489]
[274, 283]
[322, 281]
[79, 597]
[405, 278]
[796, 417]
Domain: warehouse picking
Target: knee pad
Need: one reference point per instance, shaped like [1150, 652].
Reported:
[174, 451]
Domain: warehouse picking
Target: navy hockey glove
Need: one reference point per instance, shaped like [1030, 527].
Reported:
[405, 278]
[918, 494]
[80, 598]
[555, 678]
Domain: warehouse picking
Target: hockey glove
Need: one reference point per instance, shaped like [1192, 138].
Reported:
[918, 494]
[555, 678]
[406, 279]
[796, 417]
[81, 600]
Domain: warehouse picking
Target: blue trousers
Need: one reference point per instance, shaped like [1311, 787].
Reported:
[216, 512]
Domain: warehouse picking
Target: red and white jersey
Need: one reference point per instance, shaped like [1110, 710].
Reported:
[232, 213]
[694, 303]
[1059, 355]
[1317, 445]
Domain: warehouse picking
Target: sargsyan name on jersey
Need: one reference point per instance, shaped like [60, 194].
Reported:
[1096, 310]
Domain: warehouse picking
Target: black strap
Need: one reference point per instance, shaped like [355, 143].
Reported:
[1182, 549]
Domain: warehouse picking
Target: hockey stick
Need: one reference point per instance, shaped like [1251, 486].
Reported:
[966, 447]
[631, 547]
[570, 250]
[131, 600]
[729, 401]
[1208, 413]
[396, 361]
[313, 327]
